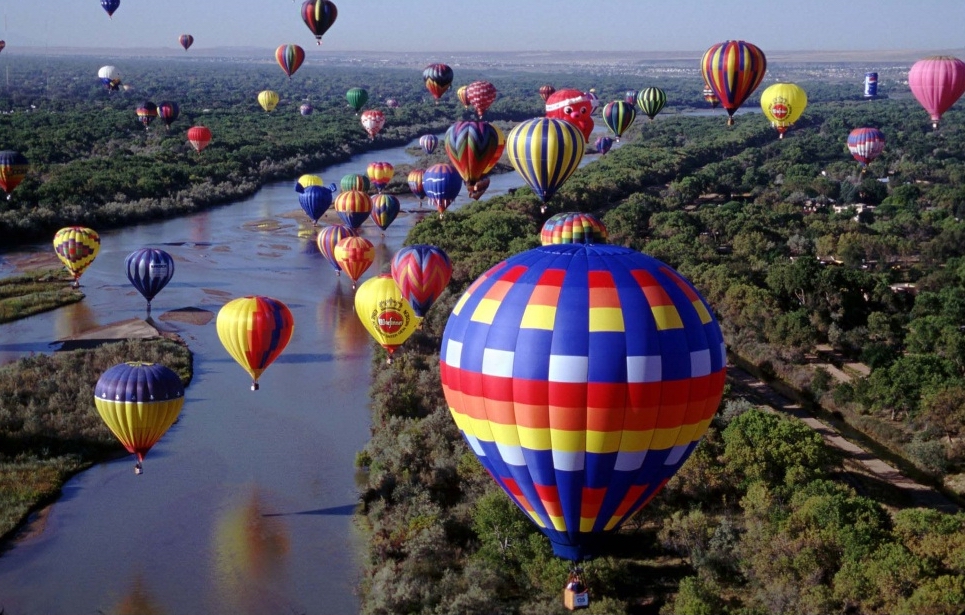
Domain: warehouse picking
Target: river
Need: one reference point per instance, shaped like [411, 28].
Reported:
[245, 506]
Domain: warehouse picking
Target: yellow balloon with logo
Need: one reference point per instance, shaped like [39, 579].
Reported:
[783, 104]
[268, 100]
[385, 313]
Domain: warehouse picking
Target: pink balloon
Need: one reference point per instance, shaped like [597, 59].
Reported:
[937, 82]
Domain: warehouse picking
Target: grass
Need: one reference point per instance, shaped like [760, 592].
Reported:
[35, 292]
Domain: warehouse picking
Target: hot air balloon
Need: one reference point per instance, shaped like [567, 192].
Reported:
[13, 168]
[733, 69]
[481, 94]
[110, 6]
[479, 188]
[603, 144]
[3, 45]
[545, 91]
[354, 255]
[268, 99]
[650, 101]
[438, 78]
[149, 270]
[474, 149]
[572, 227]
[380, 174]
[307, 180]
[870, 85]
[139, 402]
[593, 98]
[306, 109]
[353, 207]
[428, 143]
[289, 57]
[372, 121]
[385, 208]
[199, 137]
[710, 97]
[415, 184]
[783, 104]
[319, 15]
[110, 77]
[937, 82]
[630, 97]
[355, 181]
[328, 238]
[545, 152]
[618, 116]
[573, 106]
[582, 376]
[865, 144]
[385, 313]
[463, 95]
[442, 184]
[77, 247]
[357, 97]
[315, 201]
[146, 112]
[255, 330]
[169, 112]
[421, 272]
[392, 103]
[186, 41]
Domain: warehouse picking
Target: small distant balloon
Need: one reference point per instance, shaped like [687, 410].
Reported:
[385, 209]
[603, 144]
[866, 144]
[545, 91]
[870, 85]
[573, 227]
[77, 247]
[428, 143]
[169, 112]
[385, 313]
[328, 238]
[186, 41]
[372, 121]
[438, 78]
[354, 255]
[255, 330]
[357, 97]
[306, 109]
[481, 95]
[13, 169]
[149, 270]
[110, 6]
[289, 58]
[414, 180]
[199, 137]
[268, 99]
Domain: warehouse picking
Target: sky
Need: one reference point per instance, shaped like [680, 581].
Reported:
[496, 25]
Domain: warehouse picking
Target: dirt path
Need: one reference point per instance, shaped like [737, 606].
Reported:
[920, 495]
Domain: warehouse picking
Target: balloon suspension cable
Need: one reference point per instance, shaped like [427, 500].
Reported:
[148, 309]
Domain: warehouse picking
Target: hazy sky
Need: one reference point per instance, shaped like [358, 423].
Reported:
[497, 25]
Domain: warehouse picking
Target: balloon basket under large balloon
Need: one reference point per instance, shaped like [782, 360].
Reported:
[254, 386]
[730, 121]
[138, 468]
[575, 594]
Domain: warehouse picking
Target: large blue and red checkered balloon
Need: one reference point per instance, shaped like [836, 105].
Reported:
[582, 376]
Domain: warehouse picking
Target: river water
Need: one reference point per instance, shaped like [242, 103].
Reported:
[245, 506]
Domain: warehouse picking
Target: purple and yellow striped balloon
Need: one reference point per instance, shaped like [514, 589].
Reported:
[582, 376]
[328, 238]
[385, 208]
[545, 152]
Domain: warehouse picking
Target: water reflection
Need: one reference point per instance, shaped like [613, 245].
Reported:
[200, 232]
[336, 313]
[138, 601]
[250, 553]
[74, 319]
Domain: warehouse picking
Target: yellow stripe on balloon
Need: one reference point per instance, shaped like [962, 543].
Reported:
[538, 317]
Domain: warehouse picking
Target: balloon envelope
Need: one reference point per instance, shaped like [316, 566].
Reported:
[354, 255]
[186, 41]
[415, 180]
[385, 209]
[268, 99]
[651, 101]
[384, 312]
[315, 201]
[289, 58]
[149, 270]
[428, 143]
[110, 6]
[573, 227]
[199, 137]
[357, 97]
[937, 82]
[573, 106]
[733, 70]
[169, 112]
[438, 78]
[421, 272]
[474, 149]
[618, 116]
[545, 152]
[328, 238]
[139, 402]
[603, 144]
[442, 184]
[380, 174]
[582, 376]
[255, 330]
[783, 104]
[545, 91]
[372, 121]
[355, 181]
[77, 247]
[13, 168]
[319, 15]
[865, 144]
[481, 94]
[353, 207]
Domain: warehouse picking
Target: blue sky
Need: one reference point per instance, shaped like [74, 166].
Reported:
[497, 25]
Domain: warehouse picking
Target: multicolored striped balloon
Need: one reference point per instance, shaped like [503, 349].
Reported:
[149, 270]
[414, 179]
[937, 82]
[139, 402]
[442, 184]
[733, 70]
[77, 247]
[354, 255]
[421, 272]
[168, 111]
[319, 15]
[474, 149]
[385, 209]
[650, 101]
[573, 227]
[428, 143]
[438, 78]
[618, 116]
[463, 95]
[865, 144]
[13, 168]
[328, 238]
[545, 152]
[353, 207]
[255, 330]
[380, 174]
[146, 112]
[186, 41]
[355, 181]
[603, 144]
[290, 58]
[630, 97]
[582, 376]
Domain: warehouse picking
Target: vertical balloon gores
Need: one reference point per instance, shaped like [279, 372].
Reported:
[582, 376]
[255, 330]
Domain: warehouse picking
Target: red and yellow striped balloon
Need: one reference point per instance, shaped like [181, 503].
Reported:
[255, 330]
[354, 255]
[290, 58]
[733, 70]
[582, 376]
[474, 149]
[353, 207]
[380, 174]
